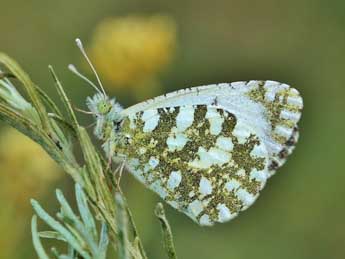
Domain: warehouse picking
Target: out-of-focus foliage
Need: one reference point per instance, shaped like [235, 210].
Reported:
[26, 171]
[79, 233]
[131, 50]
[300, 213]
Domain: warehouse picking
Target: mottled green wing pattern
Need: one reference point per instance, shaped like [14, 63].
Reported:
[208, 150]
[283, 108]
[197, 158]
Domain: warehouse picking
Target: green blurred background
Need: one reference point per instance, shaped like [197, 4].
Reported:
[300, 213]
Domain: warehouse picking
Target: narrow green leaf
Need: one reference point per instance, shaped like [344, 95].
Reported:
[64, 124]
[64, 97]
[18, 121]
[55, 253]
[84, 211]
[29, 86]
[96, 173]
[49, 102]
[51, 235]
[103, 242]
[122, 224]
[135, 231]
[64, 144]
[166, 232]
[136, 251]
[71, 252]
[66, 257]
[36, 240]
[76, 223]
[29, 129]
[57, 226]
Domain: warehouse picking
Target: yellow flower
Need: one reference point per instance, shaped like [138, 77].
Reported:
[26, 170]
[131, 50]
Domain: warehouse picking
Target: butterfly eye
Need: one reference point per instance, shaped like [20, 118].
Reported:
[104, 107]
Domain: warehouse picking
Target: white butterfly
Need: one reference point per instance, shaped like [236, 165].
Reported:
[207, 150]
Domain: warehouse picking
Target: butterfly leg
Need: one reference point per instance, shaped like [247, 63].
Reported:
[90, 125]
[109, 158]
[119, 171]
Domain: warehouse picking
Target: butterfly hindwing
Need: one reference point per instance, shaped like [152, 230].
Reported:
[197, 158]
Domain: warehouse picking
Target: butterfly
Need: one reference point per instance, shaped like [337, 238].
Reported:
[208, 150]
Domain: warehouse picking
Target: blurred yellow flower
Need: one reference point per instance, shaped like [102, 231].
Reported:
[131, 50]
[26, 170]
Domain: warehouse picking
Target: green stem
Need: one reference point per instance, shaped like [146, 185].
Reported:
[166, 232]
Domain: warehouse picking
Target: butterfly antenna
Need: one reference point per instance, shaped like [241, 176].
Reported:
[81, 47]
[74, 70]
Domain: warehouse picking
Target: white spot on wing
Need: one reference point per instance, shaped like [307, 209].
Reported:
[288, 115]
[241, 132]
[224, 213]
[270, 96]
[151, 119]
[296, 101]
[215, 120]
[271, 84]
[176, 141]
[246, 197]
[153, 162]
[259, 151]
[219, 156]
[174, 180]
[185, 118]
[225, 143]
[208, 158]
[205, 186]
[195, 208]
[157, 187]
[205, 220]
[148, 114]
[233, 184]
[260, 176]
[283, 131]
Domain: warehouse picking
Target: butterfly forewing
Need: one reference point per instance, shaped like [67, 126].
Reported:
[209, 150]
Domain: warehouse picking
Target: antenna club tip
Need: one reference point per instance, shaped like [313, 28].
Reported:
[78, 42]
[71, 67]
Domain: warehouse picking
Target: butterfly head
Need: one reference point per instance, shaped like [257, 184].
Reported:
[107, 112]
[99, 104]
